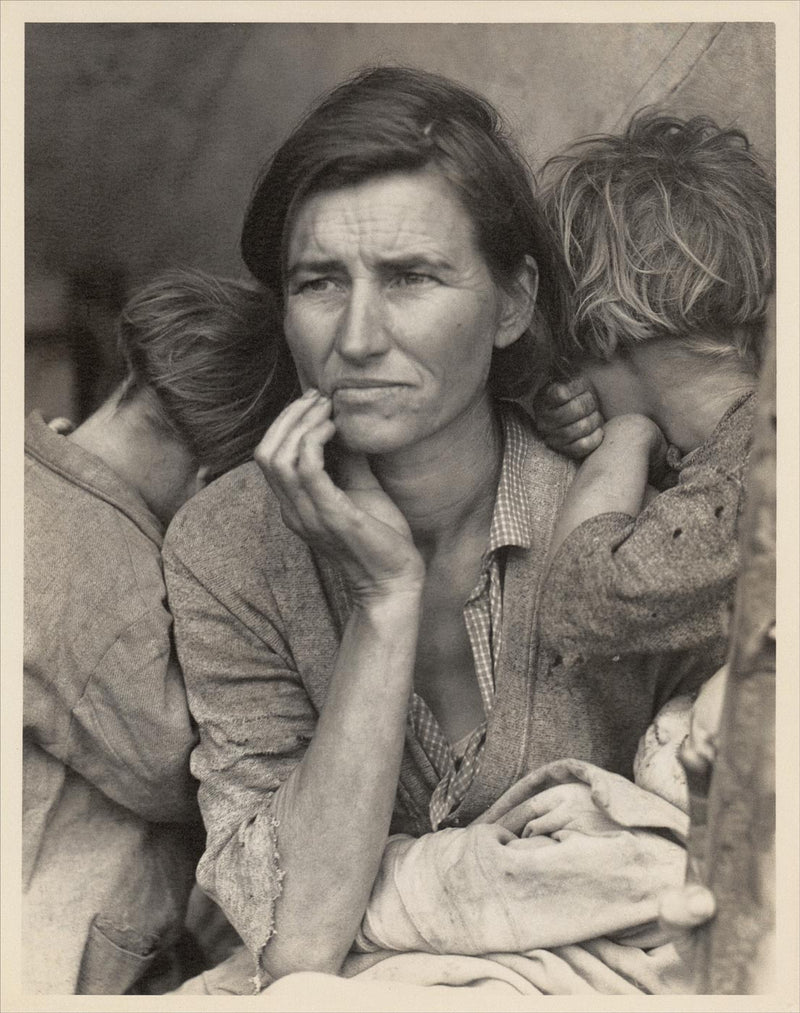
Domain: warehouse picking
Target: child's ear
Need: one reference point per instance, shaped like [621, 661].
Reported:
[519, 305]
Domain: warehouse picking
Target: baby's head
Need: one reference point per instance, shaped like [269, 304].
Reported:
[656, 766]
[668, 231]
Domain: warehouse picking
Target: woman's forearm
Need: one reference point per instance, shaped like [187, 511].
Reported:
[335, 809]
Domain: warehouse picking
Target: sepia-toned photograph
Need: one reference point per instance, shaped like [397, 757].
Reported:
[398, 611]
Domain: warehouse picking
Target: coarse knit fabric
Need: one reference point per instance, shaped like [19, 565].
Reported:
[111, 827]
[258, 622]
[664, 580]
[457, 763]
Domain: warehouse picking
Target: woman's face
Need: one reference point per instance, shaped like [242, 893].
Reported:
[391, 309]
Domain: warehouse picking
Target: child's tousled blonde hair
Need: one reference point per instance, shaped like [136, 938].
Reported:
[668, 230]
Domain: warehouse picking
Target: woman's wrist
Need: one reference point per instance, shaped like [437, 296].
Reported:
[393, 603]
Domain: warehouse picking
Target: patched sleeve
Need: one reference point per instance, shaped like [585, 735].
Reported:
[255, 722]
[663, 581]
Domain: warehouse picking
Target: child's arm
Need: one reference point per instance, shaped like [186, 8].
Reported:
[613, 478]
[650, 580]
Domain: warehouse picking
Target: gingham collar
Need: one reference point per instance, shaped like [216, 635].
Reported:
[511, 522]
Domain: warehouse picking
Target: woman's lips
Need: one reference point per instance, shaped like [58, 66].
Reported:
[364, 390]
[365, 383]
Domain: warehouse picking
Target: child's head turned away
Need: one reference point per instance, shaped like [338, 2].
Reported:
[668, 231]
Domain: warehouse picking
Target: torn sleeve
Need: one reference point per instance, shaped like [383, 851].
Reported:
[255, 721]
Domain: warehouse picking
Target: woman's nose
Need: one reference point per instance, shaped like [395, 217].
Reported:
[362, 332]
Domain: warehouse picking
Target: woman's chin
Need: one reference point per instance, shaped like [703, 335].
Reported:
[368, 435]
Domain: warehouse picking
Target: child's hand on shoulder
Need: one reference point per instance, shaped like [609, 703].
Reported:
[568, 418]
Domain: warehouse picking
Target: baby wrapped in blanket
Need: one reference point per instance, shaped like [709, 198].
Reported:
[496, 907]
[486, 903]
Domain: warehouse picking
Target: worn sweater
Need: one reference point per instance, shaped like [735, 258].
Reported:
[664, 580]
[258, 619]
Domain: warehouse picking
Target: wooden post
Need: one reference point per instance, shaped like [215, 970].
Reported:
[734, 854]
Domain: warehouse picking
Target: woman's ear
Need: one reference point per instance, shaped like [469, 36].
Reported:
[519, 304]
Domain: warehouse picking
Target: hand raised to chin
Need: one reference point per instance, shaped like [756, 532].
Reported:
[353, 523]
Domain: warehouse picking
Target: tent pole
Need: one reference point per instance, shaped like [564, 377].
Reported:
[732, 841]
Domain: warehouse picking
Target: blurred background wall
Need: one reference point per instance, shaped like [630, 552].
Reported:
[142, 141]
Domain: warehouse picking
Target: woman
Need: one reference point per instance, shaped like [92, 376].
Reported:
[111, 830]
[358, 638]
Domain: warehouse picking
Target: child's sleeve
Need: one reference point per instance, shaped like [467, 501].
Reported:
[662, 581]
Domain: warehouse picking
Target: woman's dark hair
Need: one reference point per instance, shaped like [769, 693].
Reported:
[204, 352]
[397, 119]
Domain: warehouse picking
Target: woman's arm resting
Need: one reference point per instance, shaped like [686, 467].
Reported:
[323, 809]
[334, 811]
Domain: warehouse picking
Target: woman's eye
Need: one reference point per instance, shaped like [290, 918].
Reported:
[315, 285]
[414, 278]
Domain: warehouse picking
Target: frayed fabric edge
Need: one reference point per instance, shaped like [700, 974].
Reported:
[261, 979]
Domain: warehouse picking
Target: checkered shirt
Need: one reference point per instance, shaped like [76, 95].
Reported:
[457, 764]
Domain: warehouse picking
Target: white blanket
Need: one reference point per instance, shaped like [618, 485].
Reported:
[554, 890]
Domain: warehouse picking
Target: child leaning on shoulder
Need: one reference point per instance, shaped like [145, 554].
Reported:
[668, 234]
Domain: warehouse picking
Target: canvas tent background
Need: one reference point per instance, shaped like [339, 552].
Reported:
[143, 140]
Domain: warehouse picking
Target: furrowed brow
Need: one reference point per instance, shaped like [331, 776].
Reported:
[313, 266]
[415, 262]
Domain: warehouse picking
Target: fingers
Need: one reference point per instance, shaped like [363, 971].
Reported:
[285, 425]
[578, 449]
[555, 394]
[569, 432]
[547, 823]
[322, 505]
[540, 809]
[568, 419]
[517, 819]
[686, 907]
[291, 452]
[577, 409]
